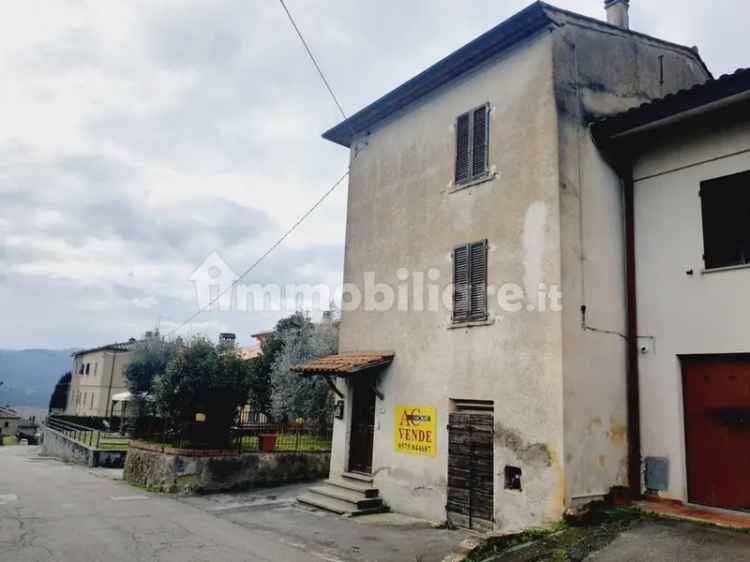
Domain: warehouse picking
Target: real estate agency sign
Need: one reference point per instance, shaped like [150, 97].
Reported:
[415, 430]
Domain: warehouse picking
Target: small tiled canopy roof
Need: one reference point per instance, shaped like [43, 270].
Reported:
[344, 364]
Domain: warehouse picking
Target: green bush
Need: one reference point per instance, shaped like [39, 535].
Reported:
[205, 379]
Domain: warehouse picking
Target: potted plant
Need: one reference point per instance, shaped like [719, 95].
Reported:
[267, 442]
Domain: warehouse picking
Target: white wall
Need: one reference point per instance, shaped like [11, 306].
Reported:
[702, 313]
[403, 214]
[599, 74]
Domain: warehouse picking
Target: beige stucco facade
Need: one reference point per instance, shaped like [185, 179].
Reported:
[8, 422]
[678, 313]
[96, 377]
[552, 214]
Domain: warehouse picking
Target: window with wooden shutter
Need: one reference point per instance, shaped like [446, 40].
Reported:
[462, 149]
[472, 145]
[725, 206]
[470, 282]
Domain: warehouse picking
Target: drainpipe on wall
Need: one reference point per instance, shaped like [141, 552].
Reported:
[633, 383]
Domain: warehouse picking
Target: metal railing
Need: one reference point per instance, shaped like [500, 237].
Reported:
[94, 438]
[242, 438]
[282, 438]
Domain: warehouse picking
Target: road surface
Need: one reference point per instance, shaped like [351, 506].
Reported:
[52, 511]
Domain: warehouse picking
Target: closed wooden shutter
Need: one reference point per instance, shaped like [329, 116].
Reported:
[472, 144]
[461, 284]
[479, 143]
[470, 282]
[462, 149]
[478, 290]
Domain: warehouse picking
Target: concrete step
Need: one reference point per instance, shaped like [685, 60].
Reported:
[355, 486]
[358, 500]
[358, 476]
[336, 506]
[328, 504]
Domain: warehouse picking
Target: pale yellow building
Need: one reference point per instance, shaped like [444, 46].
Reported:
[98, 375]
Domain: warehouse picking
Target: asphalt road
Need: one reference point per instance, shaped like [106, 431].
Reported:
[50, 510]
[53, 511]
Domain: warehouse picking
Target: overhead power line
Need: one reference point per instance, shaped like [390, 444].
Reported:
[276, 244]
[312, 58]
[258, 261]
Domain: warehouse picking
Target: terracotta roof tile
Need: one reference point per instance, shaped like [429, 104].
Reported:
[344, 364]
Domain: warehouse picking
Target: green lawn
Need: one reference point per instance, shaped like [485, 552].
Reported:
[289, 442]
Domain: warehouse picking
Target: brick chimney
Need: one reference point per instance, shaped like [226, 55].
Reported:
[617, 12]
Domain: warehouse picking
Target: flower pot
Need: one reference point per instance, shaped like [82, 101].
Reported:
[267, 443]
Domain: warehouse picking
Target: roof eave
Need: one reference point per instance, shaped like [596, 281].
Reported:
[501, 37]
[676, 107]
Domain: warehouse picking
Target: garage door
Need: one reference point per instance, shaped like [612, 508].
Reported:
[717, 425]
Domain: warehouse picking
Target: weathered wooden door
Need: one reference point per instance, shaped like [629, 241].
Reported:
[363, 428]
[471, 470]
[717, 430]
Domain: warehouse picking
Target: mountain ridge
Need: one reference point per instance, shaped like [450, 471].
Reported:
[29, 375]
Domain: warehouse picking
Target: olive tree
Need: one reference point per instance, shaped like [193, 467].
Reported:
[296, 396]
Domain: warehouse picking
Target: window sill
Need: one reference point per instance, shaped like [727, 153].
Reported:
[477, 181]
[471, 324]
[727, 268]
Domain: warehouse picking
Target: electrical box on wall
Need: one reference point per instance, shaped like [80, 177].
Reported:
[657, 473]
[338, 410]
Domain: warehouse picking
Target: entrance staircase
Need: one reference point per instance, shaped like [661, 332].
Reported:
[350, 494]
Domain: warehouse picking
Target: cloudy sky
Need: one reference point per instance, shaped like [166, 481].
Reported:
[138, 137]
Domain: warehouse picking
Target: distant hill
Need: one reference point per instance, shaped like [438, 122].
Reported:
[30, 375]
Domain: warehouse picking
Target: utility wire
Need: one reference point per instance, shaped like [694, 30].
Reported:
[304, 216]
[312, 58]
[257, 262]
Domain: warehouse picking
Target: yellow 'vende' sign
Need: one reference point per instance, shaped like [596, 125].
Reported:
[415, 430]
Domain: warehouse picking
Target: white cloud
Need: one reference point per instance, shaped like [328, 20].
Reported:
[137, 137]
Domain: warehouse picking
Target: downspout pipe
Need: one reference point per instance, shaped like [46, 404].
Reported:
[633, 382]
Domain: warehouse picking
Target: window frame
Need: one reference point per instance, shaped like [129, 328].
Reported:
[713, 257]
[471, 314]
[471, 176]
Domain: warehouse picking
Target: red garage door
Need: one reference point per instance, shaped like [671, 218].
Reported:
[717, 426]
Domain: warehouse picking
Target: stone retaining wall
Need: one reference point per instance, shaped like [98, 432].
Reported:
[192, 471]
[55, 444]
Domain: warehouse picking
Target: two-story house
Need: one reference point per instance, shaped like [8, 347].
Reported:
[476, 198]
[685, 162]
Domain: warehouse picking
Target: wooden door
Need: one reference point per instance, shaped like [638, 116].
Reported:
[717, 430]
[471, 470]
[363, 428]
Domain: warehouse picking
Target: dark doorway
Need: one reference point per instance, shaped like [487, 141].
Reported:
[471, 470]
[363, 428]
[716, 391]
